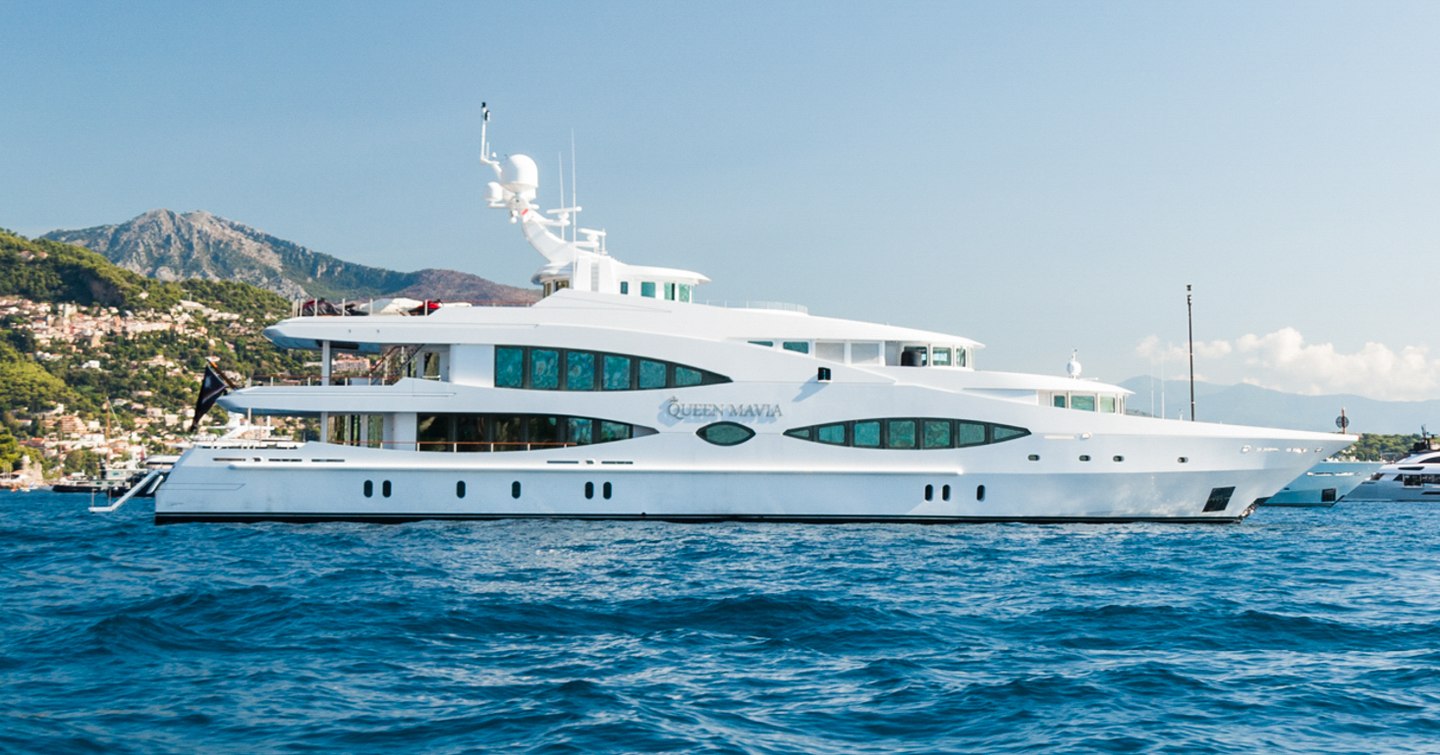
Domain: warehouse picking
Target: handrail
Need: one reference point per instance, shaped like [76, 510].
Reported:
[131, 493]
[455, 446]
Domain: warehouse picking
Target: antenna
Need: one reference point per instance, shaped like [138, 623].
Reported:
[574, 189]
[485, 158]
[1190, 326]
[560, 158]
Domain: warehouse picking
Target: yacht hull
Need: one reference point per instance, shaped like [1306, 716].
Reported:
[325, 482]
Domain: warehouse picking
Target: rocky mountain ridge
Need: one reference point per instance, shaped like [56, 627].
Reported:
[167, 245]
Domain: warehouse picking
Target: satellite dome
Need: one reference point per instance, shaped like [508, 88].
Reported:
[519, 174]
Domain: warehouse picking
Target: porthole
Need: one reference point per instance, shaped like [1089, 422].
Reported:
[725, 433]
[1084, 457]
[1034, 457]
[385, 488]
[460, 489]
[1118, 458]
[369, 488]
[605, 491]
[944, 492]
[979, 492]
[589, 490]
[515, 489]
[929, 492]
[1184, 459]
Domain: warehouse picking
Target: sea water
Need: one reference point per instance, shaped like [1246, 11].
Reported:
[1297, 630]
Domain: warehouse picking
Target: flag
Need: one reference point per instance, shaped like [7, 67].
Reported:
[211, 388]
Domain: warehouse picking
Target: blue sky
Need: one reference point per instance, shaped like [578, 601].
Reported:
[1038, 176]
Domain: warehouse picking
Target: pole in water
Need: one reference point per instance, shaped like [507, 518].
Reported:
[1190, 326]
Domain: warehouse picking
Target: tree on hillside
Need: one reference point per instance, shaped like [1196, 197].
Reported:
[84, 461]
[9, 451]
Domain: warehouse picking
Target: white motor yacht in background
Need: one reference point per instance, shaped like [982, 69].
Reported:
[1324, 484]
[1414, 478]
[618, 396]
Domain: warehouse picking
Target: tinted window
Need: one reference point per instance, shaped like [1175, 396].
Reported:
[580, 429]
[647, 288]
[576, 370]
[908, 433]
[545, 431]
[937, 433]
[613, 431]
[544, 369]
[725, 433]
[867, 434]
[900, 433]
[834, 434]
[652, 374]
[509, 367]
[801, 346]
[508, 433]
[579, 371]
[969, 433]
[1004, 433]
[617, 373]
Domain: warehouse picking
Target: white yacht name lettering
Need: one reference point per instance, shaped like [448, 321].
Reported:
[687, 411]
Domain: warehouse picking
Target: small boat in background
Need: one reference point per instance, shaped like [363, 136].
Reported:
[1324, 484]
[112, 481]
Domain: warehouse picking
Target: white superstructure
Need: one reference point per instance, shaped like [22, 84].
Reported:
[618, 396]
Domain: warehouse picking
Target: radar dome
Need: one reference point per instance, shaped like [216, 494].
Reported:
[519, 174]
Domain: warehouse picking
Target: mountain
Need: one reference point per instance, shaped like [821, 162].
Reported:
[1253, 405]
[168, 246]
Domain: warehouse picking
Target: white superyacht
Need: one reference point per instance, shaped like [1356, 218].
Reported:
[618, 396]
[1414, 478]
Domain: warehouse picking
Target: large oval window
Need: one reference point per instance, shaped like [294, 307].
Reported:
[725, 433]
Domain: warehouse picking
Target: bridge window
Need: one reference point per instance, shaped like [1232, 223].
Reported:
[647, 289]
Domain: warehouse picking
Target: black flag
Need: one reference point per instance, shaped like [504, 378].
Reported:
[211, 388]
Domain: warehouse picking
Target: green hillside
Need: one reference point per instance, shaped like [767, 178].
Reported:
[133, 372]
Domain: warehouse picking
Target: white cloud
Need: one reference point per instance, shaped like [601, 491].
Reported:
[1284, 361]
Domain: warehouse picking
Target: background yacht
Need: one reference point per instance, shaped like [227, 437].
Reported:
[618, 396]
[1414, 478]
